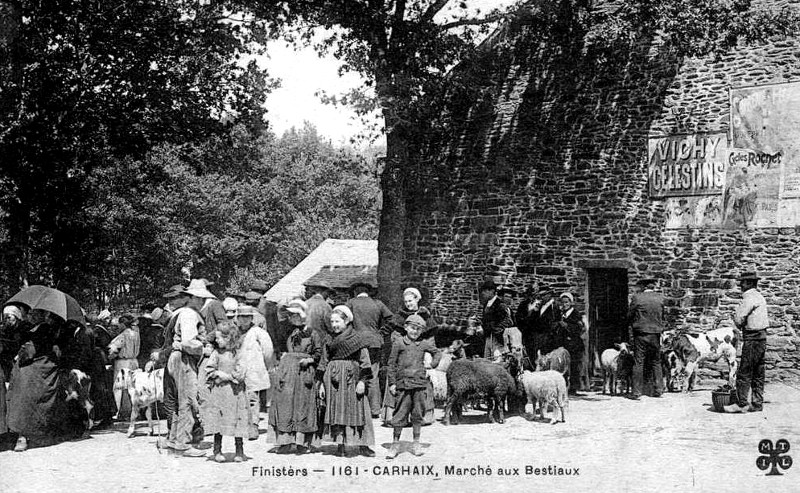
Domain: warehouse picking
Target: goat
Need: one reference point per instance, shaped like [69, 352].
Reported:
[616, 363]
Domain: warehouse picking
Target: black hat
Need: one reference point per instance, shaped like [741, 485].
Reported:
[361, 282]
[252, 296]
[749, 276]
[646, 281]
[507, 289]
[544, 289]
[488, 284]
[174, 291]
[318, 284]
[259, 286]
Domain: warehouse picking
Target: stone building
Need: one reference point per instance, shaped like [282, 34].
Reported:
[589, 167]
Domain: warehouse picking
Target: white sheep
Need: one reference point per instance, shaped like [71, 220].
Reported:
[615, 364]
[545, 388]
[438, 376]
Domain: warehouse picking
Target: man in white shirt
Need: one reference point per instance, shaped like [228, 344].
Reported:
[752, 319]
[188, 340]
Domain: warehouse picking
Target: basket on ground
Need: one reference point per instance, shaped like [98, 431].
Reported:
[721, 398]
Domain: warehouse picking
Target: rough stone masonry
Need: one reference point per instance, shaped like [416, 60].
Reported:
[547, 172]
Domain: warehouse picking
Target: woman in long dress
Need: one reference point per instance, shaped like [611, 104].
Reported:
[293, 415]
[35, 408]
[348, 418]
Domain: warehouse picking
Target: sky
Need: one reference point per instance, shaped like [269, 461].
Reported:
[303, 74]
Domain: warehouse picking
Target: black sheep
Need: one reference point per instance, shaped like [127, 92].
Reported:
[470, 379]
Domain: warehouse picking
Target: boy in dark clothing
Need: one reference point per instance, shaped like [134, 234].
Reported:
[407, 381]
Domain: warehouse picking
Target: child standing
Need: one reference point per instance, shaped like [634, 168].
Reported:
[226, 412]
[407, 381]
[347, 367]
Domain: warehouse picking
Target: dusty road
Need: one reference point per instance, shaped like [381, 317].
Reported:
[607, 444]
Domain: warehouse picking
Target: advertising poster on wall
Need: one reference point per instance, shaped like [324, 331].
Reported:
[686, 165]
[762, 186]
[688, 171]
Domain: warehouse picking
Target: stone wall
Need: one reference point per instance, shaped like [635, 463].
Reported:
[550, 171]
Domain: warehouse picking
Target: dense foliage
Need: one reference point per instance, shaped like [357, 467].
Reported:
[133, 142]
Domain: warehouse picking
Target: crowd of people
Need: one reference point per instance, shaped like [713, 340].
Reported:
[321, 370]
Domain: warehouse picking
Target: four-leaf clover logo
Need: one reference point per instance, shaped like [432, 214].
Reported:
[774, 456]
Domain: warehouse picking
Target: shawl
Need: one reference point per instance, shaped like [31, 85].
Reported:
[347, 343]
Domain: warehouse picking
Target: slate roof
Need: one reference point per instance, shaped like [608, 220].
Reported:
[330, 253]
[342, 277]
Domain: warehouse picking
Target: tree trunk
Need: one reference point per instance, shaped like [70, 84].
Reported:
[393, 221]
[18, 215]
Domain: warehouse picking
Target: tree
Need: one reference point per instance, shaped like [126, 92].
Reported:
[405, 48]
[87, 84]
[235, 207]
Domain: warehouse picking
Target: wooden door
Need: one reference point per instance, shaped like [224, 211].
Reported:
[608, 309]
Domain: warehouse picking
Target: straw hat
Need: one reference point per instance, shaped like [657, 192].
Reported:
[246, 311]
[297, 306]
[198, 288]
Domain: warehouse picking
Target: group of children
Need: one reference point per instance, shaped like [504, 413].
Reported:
[318, 389]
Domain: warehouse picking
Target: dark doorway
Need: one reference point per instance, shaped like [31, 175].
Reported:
[608, 309]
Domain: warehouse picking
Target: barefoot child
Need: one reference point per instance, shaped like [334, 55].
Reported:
[226, 412]
[407, 381]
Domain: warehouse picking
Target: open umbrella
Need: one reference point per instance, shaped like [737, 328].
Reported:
[51, 300]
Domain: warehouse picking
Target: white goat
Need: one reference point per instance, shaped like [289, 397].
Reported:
[616, 363]
[545, 388]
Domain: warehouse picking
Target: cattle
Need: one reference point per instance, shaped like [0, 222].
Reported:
[617, 365]
[145, 388]
[671, 369]
[695, 349]
[77, 388]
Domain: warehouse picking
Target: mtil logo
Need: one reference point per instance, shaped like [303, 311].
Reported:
[774, 456]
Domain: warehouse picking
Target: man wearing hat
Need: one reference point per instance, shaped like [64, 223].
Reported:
[318, 316]
[537, 331]
[568, 331]
[370, 316]
[213, 312]
[507, 294]
[495, 318]
[752, 319]
[253, 298]
[188, 340]
[646, 318]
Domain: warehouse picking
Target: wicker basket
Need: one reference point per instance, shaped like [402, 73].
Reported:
[721, 398]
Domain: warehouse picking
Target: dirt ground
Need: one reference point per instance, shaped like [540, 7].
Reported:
[676, 443]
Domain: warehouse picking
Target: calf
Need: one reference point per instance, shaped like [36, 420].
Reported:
[696, 349]
[672, 369]
[144, 389]
[617, 364]
[78, 388]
